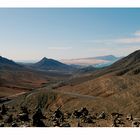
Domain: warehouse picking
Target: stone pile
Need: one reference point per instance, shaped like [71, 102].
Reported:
[37, 118]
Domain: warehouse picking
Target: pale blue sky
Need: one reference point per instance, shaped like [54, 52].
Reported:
[30, 34]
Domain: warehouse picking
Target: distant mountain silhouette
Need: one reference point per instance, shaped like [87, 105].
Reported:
[52, 65]
[8, 64]
[100, 61]
[107, 57]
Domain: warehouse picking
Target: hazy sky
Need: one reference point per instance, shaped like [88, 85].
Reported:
[30, 34]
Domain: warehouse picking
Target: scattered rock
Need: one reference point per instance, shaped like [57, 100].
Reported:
[77, 114]
[81, 113]
[38, 115]
[2, 124]
[118, 122]
[65, 125]
[1, 117]
[84, 111]
[58, 115]
[13, 107]
[79, 118]
[102, 115]
[56, 123]
[24, 110]
[38, 123]
[129, 117]
[67, 115]
[116, 115]
[135, 124]
[23, 117]
[9, 119]
[37, 119]
[14, 124]
[79, 125]
[88, 119]
[3, 110]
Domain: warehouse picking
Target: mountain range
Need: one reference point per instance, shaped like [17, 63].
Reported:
[99, 61]
[18, 77]
[107, 57]
[46, 64]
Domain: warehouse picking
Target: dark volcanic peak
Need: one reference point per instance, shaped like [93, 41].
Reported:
[44, 59]
[51, 64]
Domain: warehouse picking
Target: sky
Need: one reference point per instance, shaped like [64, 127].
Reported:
[66, 33]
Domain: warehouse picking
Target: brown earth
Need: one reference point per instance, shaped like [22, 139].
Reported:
[49, 101]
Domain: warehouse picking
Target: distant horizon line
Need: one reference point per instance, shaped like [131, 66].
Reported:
[36, 60]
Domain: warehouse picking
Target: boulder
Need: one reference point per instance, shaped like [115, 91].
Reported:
[14, 124]
[58, 115]
[37, 119]
[3, 110]
[77, 114]
[23, 117]
[118, 122]
[116, 115]
[65, 125]
[67, 115]
[1, 117]
[56, 123]
[88, 119]
[38, 123]
[135, 124]
[81, 113]
[84, 111]
[129, 117]
[79, 125]
[9, 119]
[2, 124]
[24, 110]
[38, 115]
[102, 115]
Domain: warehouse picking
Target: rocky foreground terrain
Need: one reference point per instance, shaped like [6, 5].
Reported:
[11, 117]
